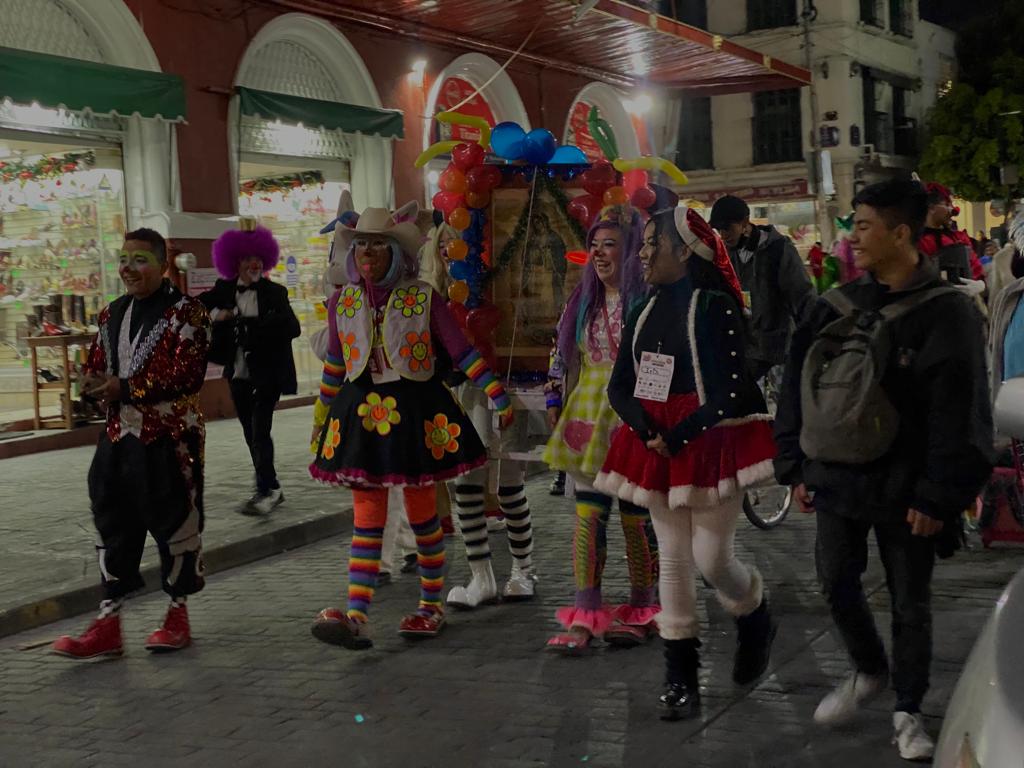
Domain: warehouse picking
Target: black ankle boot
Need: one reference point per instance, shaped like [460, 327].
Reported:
[681, 699]
[755, 633]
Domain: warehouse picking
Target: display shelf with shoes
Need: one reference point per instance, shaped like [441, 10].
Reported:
[66, 382]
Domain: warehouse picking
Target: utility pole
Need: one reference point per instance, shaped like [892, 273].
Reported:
[808, 15]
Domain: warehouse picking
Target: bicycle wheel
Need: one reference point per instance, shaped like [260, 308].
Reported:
[768, 508]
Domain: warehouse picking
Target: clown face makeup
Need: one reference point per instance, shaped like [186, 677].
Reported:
[250, 270]
[373, 257]
[606, 255]
[140, 269]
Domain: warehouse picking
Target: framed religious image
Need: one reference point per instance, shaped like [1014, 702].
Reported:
[532, 277]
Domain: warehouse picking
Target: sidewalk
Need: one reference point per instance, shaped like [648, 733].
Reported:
[47, 537]
[256, 690]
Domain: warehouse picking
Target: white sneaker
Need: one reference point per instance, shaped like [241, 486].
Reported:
[495, 524]
[482, 589]
[842, 704]
[266, 504]
[910, 736]
[520, 584]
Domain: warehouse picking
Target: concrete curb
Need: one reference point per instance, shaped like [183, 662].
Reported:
[221, 557]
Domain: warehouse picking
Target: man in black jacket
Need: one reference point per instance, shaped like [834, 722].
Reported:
[773, 278]
[912, 496]
[253, 330]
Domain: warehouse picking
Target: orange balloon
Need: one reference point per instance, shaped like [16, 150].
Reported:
[452, 180]
[478, 199]
[457, 250]
[459, 218]
[458, 291]
[616, 196]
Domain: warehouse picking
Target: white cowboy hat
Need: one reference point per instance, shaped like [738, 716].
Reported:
[399, 225]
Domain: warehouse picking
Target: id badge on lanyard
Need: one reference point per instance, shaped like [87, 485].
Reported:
[654, 376]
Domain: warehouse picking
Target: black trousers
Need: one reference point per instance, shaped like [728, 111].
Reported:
[137, 489]
[255, 405]
[842, 557]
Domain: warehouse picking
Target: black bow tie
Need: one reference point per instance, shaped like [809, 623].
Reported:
[243, 288]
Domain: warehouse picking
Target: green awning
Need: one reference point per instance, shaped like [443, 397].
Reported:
[314, 113]
[55, 81]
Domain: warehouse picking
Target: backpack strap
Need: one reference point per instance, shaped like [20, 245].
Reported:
[840, 302]
[901, 307]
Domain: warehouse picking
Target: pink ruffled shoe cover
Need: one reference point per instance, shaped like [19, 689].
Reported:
[595, 622]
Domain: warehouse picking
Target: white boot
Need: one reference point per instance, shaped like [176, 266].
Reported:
[520, 584]
[481, 590]
[841, 705]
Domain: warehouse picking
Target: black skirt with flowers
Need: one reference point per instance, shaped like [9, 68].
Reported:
[400, 433]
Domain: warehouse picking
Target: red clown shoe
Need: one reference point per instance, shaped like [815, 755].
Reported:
[174, 634]
[102, 638]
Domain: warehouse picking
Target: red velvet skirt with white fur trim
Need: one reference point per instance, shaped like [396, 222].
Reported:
[711, 468]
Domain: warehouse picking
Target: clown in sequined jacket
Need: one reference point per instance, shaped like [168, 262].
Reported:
[161, 373]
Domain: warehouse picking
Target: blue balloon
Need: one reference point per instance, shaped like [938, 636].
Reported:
[539, 146]
[568, 155]
[460, 270]
[507, 140]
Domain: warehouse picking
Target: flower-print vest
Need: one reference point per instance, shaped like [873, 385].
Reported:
[405, 332]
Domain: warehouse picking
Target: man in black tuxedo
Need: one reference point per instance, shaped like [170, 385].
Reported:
[253, 327]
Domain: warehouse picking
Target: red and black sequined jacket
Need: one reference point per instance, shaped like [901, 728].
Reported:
[160, 388]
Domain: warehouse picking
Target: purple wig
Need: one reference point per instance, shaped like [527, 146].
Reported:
[588, 297]
[236, 244]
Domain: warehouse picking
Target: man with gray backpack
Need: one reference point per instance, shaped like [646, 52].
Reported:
[884, 422]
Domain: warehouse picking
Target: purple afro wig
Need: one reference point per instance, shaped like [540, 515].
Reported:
[235, 245]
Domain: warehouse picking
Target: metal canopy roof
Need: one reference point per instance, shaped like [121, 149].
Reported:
[615, 41]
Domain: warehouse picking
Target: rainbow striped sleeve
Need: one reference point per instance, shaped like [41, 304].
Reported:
[330, 382]
[473, 365]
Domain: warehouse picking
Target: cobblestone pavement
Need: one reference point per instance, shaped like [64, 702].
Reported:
[256, 690]
[46, 518]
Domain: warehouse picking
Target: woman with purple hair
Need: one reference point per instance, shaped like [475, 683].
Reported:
[253, 328]
[588, 339]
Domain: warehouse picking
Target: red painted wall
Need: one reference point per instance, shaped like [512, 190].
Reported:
[205, 52]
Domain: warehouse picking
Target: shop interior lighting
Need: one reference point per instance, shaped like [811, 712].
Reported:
[419, 66]
[641, 105]
[433, 177]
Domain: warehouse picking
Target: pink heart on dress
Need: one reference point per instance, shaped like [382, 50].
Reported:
[577, 435]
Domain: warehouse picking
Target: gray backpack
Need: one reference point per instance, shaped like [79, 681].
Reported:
[847, 416]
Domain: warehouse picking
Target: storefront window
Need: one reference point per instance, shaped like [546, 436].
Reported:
[295, 205]
[62, 221]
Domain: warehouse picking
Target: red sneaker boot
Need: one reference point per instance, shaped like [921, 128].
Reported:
[102, 638]
[174, 634]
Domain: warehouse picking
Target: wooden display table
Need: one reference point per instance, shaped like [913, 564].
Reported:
[66, 420]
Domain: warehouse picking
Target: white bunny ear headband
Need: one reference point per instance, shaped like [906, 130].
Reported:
[407, 212]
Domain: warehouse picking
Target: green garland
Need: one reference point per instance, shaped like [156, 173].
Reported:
[267, 184]
[515, 242]
[47, 167]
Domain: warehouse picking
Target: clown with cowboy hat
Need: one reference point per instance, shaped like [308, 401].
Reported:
[384, 418]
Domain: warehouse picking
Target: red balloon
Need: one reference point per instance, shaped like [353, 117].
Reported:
[584, 208]
[483, 178]
[598, 178]
[446, 202]
[634, 180]
[466, 156]
[482, 321]
[643, 198]
[459, 312]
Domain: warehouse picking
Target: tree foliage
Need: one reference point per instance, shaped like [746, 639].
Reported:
[978, 126]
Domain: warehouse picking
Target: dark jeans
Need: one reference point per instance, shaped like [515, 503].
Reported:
[842, 556]
[255, 409]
